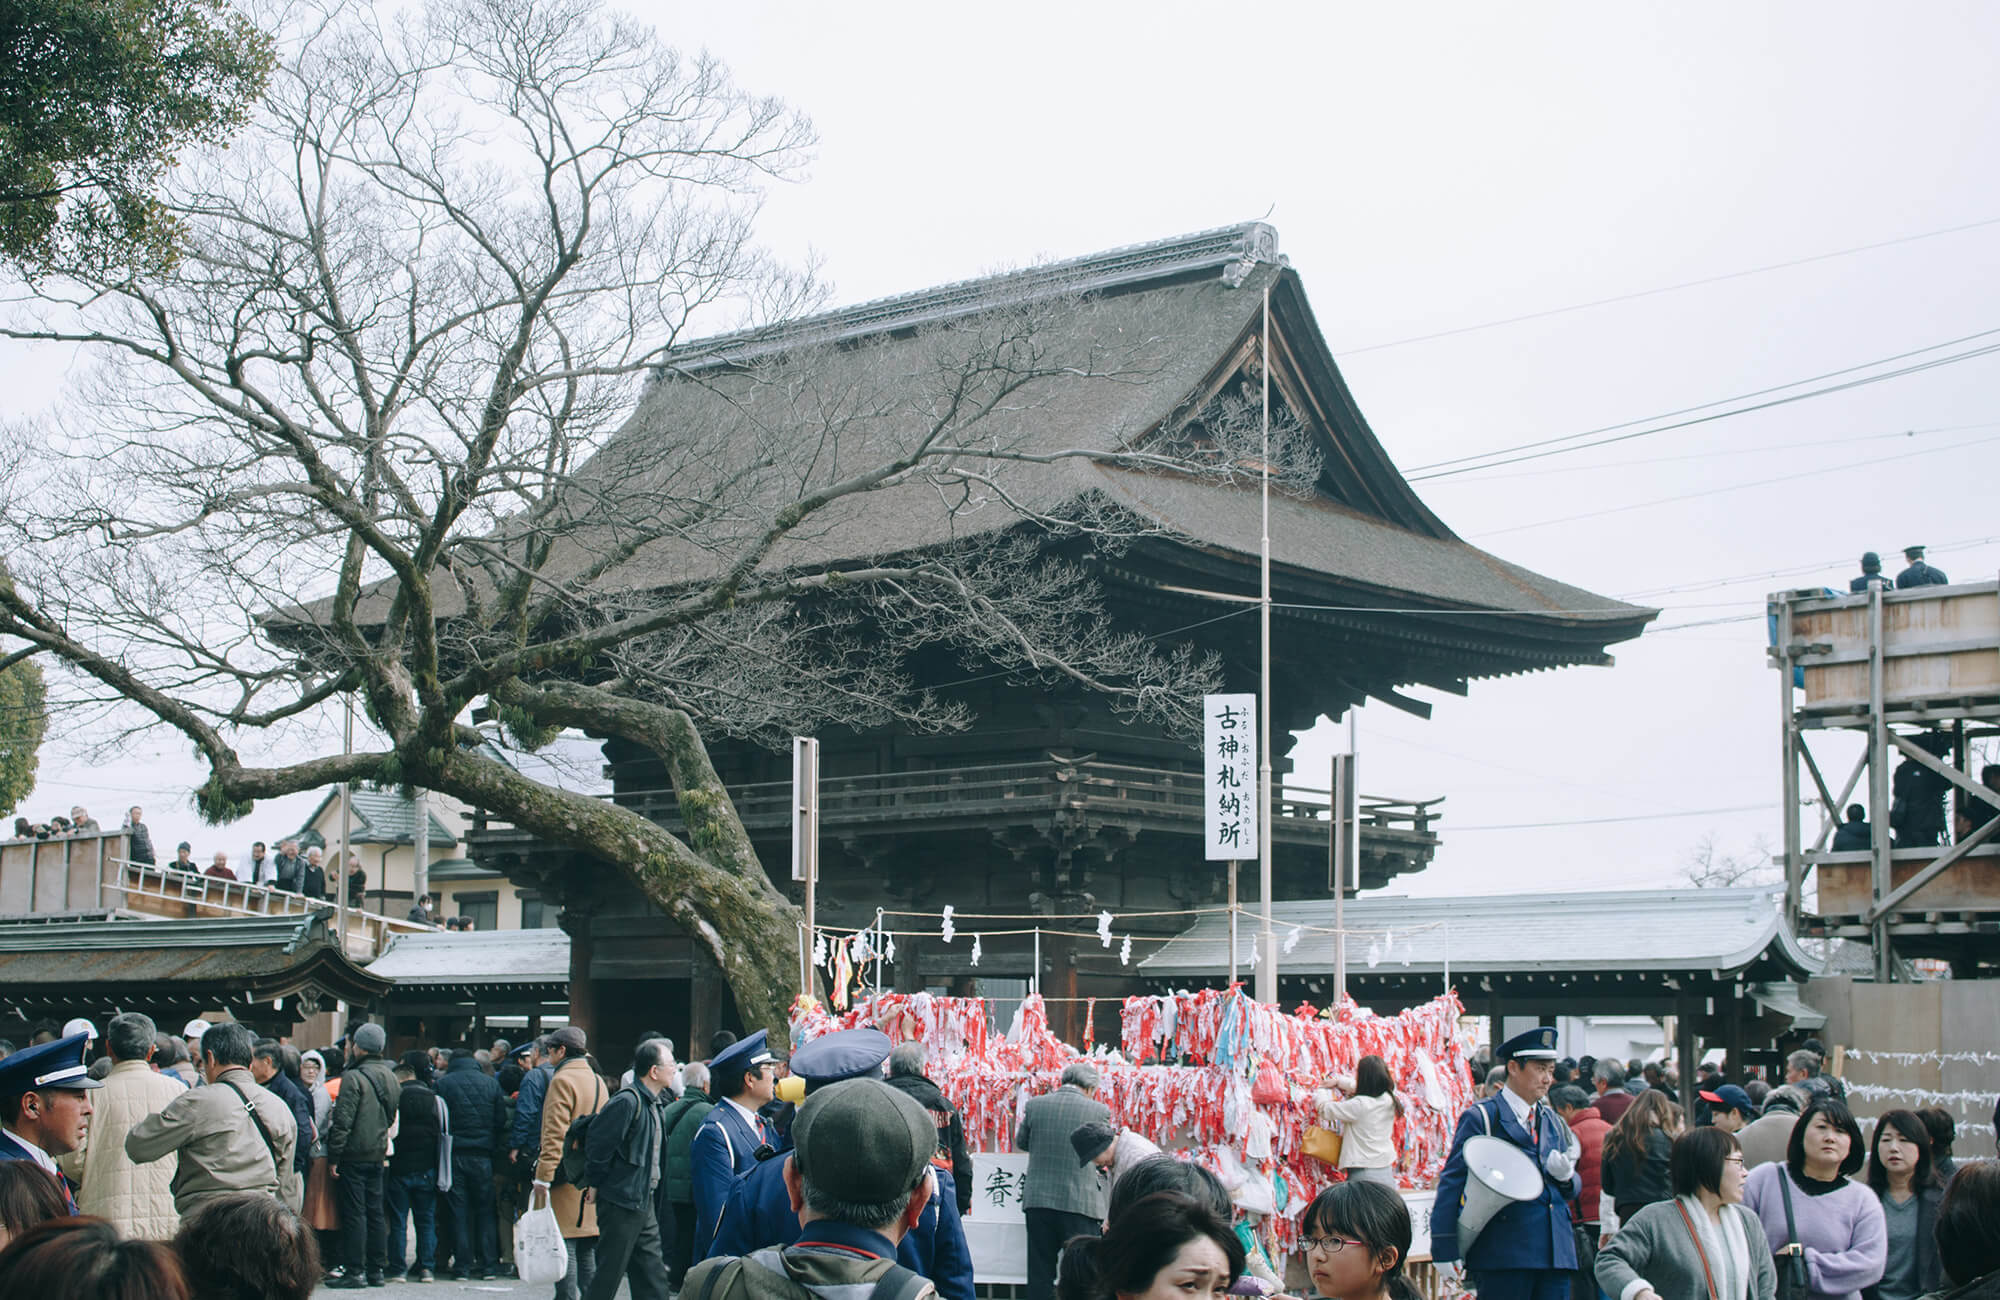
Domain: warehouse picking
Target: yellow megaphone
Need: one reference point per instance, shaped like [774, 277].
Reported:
[792, 1088]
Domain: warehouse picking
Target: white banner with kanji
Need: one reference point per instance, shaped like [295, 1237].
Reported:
[1229, 788]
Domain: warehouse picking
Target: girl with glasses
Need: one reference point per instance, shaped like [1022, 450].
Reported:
[1356, 1236]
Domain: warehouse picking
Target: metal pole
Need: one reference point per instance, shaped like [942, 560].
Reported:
[1232, 920]
[1035, 984]
[339, 864]
[1878, 790]
[1447, 954]
[1267, 969]
[1337, 814]
[1789, 758]
[420, 839]
[805, 838]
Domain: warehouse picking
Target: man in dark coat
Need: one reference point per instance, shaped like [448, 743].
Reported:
[623, 1163]
[677, 1127]
[1855, 834]
[953, 1162]
[478, 1112]
[1871, 574]
[357, 1141]
[267, 1067]
[1919, 574]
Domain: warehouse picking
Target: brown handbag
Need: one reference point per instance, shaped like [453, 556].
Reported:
[1322, 1144]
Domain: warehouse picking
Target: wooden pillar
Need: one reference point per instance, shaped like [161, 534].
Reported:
[1734, 1069]
[1686, 1047]
[582, 993]
[704, 1004]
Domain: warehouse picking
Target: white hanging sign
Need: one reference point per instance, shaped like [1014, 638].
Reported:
[1229, 788]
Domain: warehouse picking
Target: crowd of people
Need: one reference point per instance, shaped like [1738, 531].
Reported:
[1770, 1191]
[217, 1163]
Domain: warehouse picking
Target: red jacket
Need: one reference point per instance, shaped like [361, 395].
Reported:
[1590, 1128]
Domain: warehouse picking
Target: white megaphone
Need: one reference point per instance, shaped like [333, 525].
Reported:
[1498, 1174]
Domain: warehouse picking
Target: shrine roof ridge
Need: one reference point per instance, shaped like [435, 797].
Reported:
[1231, 250]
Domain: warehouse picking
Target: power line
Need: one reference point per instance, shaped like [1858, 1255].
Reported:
[1603, 821]
[1668, 288]
[1544, 447]
[1709, 584]
[1755, 449]
[1871, 463]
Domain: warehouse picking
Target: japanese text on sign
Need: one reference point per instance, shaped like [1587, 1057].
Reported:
[1229, 760]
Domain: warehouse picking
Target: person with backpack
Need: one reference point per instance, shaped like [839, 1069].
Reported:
[859, 1175]
[574, 1092]
[623, 1163]
[357, 1141]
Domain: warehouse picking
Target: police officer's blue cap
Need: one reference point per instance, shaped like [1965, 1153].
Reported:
[847, 1054]
[59, 1064]
[1538, 1044]
[738, 1059]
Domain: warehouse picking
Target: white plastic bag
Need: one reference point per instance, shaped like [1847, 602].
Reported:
[538, 1242]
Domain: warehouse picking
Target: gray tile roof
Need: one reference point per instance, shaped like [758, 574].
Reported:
[384, 817]
[824, 398]
[479, 957]
[1611, 930]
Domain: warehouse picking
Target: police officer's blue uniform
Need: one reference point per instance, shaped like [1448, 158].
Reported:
[759, 1211]
[725, 1146]
[56, 1066]
[1528, 1250]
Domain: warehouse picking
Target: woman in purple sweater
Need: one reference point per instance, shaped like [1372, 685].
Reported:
[1841, 1232]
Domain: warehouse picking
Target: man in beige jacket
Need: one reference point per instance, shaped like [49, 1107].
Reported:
[138, 1198]
[232, 1136]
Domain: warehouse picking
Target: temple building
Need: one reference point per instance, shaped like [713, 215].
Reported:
[1050, 803]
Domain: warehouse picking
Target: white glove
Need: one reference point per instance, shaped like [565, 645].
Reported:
[1560, 1165]
[1452, 1275]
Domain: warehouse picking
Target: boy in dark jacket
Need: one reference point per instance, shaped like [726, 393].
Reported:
[479, 1116]
[411, 1187]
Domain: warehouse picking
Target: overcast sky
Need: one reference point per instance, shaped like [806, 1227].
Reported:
[1433, 168]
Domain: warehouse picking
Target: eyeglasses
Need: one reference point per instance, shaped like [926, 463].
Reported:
[1732, 1160]
[1331, 1245]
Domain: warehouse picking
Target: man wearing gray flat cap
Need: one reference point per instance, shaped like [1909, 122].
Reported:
[859, 1180]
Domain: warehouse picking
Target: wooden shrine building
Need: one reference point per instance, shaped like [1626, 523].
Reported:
[1049, 802]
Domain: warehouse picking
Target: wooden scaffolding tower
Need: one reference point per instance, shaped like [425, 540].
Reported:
[1916, 675]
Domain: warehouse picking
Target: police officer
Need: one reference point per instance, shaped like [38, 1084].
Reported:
[1527, 1251]
[45, 1105]
[760, 1212]
[726, 1145]
[1919, 574]
[1871, 574]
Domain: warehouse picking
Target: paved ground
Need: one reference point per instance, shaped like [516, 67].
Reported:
[499, 1286]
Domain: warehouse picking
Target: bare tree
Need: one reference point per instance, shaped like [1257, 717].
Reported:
[1709, 867]
[374, 436]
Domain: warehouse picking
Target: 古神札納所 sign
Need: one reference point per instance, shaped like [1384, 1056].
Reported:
[1229, 786]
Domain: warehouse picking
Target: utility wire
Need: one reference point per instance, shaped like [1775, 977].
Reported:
[1543, 447]
[1710, 584]
[1756, 449]
[1872, 462]
[1602, 821]
[1668, 288]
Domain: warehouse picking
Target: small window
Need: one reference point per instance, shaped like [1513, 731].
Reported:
[537, 913]
[483, 908]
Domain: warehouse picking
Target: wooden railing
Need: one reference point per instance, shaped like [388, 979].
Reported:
[997, 788]
[164, 891]
[75, 874]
